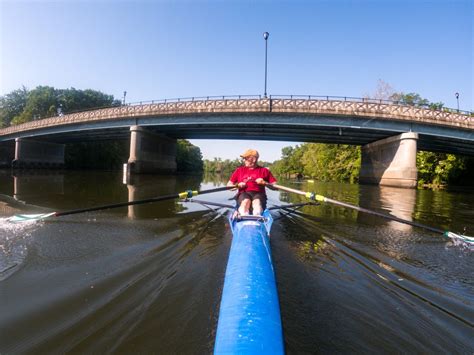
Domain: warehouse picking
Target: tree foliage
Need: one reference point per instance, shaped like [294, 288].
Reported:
[438, 169]
[413, 99]
[188, 157]
[25, 105]
[219, 166]
[227, 166]
[12, 105]
[325, 162]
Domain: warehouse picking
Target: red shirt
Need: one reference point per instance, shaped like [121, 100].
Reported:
[249, 175]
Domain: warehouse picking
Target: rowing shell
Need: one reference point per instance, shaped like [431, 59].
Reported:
[249, 316]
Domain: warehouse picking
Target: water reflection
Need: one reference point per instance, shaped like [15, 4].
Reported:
[215, 179]
[32, 184]
[139, 279]
[141, 187]
[44, 190]
[393, 201]
[6, 182]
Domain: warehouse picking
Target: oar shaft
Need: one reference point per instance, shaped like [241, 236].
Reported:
[357, 208]
[288, 189]
[139, 202]
[383, 215]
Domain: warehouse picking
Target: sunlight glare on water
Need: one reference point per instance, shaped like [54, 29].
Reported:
[13, 245]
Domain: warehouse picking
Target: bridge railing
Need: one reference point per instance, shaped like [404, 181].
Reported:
[301, 97]
[369, 100]
[290, 97]
[277, 103]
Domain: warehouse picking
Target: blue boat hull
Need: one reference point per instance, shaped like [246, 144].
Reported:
[249, 317]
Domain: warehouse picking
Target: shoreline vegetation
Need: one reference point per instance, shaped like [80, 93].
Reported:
[317, 161]
[341, 163]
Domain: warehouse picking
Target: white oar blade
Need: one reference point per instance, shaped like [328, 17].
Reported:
[29, 217]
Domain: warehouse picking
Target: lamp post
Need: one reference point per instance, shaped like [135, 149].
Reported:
[265, 36]
[457, 99]
[124, 95]
[60, 110]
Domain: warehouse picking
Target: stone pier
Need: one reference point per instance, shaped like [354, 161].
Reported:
[151, 152]
[37, 154]
[390, 161]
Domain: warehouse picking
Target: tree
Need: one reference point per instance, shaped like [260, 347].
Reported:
[384, 91]
[439, 169]
[325, 162]
[331, 162]
[41, 103]
[218, 166]
[411, 99]
[22, 106]
[12, 105]
[188, 157]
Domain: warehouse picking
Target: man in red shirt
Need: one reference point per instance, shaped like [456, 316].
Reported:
[251, 180]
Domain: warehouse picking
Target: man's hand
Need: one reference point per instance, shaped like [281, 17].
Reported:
[231, 184]
[260, 181]
[241, 185]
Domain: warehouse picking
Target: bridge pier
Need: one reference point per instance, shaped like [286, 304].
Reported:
[151, 152]
[390, 161]
[36, 154]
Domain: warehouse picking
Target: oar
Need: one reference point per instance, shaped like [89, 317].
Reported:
[320, 198]
[186, 194]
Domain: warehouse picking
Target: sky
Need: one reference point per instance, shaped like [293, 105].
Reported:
[171, 49]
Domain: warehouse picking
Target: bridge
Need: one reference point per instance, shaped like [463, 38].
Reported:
[152, 127]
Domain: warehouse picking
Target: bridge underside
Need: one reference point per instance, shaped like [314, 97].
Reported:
[295, 128]
[388, 153]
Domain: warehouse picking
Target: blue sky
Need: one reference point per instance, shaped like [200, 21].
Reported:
[168, 49]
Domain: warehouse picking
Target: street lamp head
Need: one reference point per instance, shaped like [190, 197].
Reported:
[265, 35]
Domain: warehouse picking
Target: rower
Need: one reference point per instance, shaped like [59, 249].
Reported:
[251, 180]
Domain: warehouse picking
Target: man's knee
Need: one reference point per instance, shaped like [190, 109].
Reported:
[257, 203]
[245, 202]
[257, 207]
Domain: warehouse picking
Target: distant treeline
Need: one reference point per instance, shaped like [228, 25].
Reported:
[23, 105]
[227, 166]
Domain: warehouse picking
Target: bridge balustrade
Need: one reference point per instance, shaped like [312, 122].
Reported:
[342, 106]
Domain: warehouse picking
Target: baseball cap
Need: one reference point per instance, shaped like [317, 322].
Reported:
[249, 153]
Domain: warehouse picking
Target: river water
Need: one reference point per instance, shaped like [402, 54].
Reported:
[148, 278]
